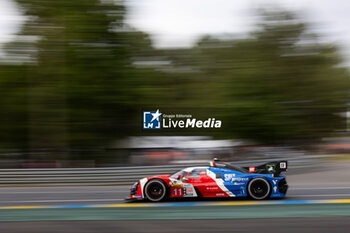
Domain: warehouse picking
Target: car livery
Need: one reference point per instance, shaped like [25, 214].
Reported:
[217, 180]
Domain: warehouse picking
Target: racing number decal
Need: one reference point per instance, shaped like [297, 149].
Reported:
[177, 190]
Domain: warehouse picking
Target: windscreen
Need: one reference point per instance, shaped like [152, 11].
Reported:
[176, 175]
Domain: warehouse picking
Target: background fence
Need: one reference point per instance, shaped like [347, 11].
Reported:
[122, 175]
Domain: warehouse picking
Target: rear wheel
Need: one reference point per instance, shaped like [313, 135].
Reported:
[259, 188]
[155, 190]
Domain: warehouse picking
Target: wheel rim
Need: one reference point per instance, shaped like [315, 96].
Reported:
[259, 189]
[155, 191]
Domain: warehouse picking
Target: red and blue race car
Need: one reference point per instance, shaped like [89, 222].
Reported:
[217, 180]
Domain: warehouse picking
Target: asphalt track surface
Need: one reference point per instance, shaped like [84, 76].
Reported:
[291, 225]
[332, 183]
[317, 201]
[115, 195]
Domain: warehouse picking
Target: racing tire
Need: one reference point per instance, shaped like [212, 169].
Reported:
[259, 188]
[155, 190]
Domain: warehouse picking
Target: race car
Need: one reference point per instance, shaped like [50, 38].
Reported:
[216, 180]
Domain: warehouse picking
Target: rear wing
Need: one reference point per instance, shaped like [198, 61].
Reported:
[275, 167]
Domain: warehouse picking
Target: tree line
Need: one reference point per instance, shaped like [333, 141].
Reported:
[77, 76]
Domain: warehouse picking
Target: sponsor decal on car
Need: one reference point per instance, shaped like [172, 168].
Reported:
[212, 188]
[275, 182]
[275, 189]
[188, 190]
[220, 194]
[251, 169]
[229, 177]
[240, 179]
[283, 165]
[238, 183]
[271, 167]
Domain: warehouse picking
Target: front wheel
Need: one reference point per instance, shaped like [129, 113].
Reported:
[259, 188]
[155, 190]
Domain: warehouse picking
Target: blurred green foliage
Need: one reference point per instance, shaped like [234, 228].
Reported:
[278, 85]
[70, 79]
[75, 86]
